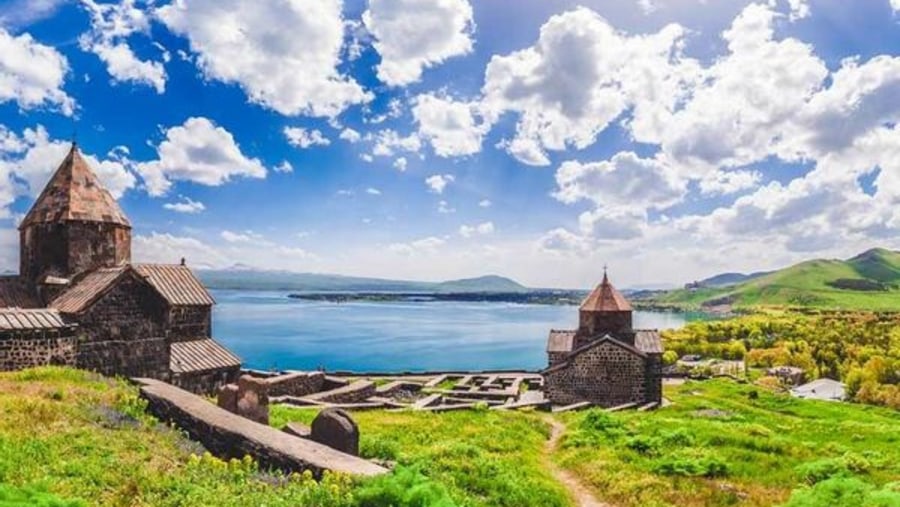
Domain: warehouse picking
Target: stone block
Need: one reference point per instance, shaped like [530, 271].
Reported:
[336, 429]
[297, 429]
[253, 399]
[228, 398]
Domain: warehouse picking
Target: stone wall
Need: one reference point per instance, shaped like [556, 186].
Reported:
[228, 435]
[299, 383]
[187, 323]
[206, 382]
[67, 249]
[123, 333]
[607, 375]
[601, 323]
[20, 349]
[654, 378]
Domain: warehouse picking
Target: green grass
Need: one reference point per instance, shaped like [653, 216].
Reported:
[756, 449]
[71, 438]
[807, 285]
[482, 457]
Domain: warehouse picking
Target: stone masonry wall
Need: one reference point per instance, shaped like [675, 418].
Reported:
[66, 249]
[299, 383]
[122, 333]
[206, 382]
[654, 378]
[20, 350]
[607, 375]
[601, 323]
[187, 323]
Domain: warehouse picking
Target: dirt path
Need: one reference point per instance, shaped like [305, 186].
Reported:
[582, 496]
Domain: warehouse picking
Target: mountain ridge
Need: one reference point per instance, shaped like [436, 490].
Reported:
[246, 278]
[867, 281]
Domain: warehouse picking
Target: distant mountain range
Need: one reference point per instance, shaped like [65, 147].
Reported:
[868, 281]
[246, 278]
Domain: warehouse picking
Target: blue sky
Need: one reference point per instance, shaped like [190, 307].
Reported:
[434, 139]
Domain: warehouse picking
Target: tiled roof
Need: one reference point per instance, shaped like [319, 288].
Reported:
[647, 341]
[605, 298]
[200, 355]
[560, 341]
[176, 283]
[32, 319]
[75, 193]
[14, 292]
[86, 290]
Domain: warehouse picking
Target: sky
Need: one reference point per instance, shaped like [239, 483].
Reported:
[437, 139]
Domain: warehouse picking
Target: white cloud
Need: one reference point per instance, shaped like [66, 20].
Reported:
[111, 25]
[284, 167]
[350, 135]
[302, 138]
[241, 237]
[438, 182]
[444, 208]
[388, 142]
[15, 14]
[485, 203]
[484, 228]
[580, 76]
[32, 74]
[451, 127]
[411, 35]
[185, 205]
[725, 183]
[800, 9]
[563, 241]
[28, 160]
[626, 180]
[283, 53]
[895, 4]
[373, 191]
[427, 245]
[170, 249]
[198, 151]
[400, 164]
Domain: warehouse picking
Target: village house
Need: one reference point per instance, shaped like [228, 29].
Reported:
[605, 361]
[79, 301]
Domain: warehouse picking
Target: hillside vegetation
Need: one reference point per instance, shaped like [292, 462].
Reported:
[72, 439]
[869, 281]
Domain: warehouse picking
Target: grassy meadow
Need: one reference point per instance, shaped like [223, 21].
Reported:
[821, 283]
[70, 438]
[724, 443]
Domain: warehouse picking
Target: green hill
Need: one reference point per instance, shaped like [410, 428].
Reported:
[869, 281]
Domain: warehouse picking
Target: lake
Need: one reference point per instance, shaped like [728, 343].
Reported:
[270, 331]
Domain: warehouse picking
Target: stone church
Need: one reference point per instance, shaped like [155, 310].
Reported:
[79, 301]
[605, 361]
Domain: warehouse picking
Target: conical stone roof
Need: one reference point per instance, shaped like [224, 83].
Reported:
[605, 298]
[75, 194]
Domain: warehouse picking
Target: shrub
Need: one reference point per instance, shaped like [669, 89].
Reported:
[824, 469]
[693, 467]
[405, 487]
[380, 448]
[846, 492]
[11, 496]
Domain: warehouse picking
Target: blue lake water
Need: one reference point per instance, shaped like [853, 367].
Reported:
[270, 331]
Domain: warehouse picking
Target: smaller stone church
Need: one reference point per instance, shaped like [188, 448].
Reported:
[605, 361]
[79, 301]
